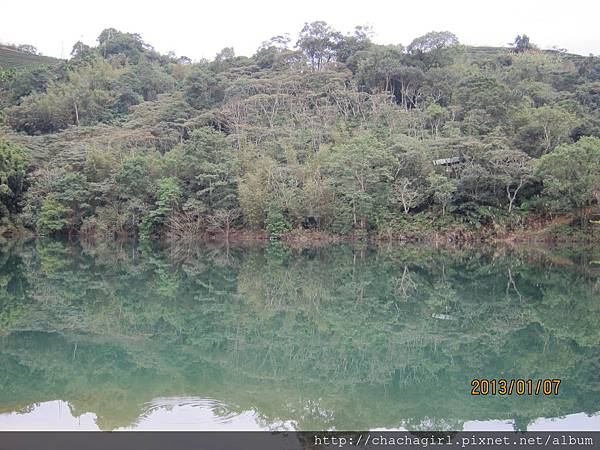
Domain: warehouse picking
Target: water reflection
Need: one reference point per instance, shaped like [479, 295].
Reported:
[188, 414]
[272, 338]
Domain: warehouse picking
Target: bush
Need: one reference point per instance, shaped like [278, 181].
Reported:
[40, 113]
[13, 165]
[53, 217]
[277, 225]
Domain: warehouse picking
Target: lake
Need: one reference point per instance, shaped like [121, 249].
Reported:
[344, 337]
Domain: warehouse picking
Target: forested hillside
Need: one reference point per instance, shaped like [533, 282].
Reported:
[327, 132]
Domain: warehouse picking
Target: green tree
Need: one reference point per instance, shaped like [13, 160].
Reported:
[26, 82]
[13, 167]
[208, 168]
[41, 113]
[571, 175]
[276, 224]
[318, 41]
[442, 190]
[168, 201]
[53, 218]
[434, 40]
[202, 88]
[522, 44]
[148, 79]
[514, 170]
[72, 190]
[378, 66]
[542, 129]
[114, 42]
[135, 189]
[434, 49]
[435, 116]
[360, 171]
[351, 44]
[484, 102]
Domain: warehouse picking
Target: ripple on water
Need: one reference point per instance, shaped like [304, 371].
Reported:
[195, 413]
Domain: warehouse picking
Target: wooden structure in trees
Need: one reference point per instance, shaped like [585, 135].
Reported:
[449, 164]
[447, 161]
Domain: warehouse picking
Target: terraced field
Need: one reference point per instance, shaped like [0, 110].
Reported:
[13, 58]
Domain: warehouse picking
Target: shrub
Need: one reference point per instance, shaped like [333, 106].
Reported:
[277, 225]
[53, 217]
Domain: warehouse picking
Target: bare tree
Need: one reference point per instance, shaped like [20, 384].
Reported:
[186, 226]
[223, 219]
[405, 192]
[515, 171]
[405, 285]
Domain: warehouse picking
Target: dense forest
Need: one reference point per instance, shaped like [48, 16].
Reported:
[329, 132]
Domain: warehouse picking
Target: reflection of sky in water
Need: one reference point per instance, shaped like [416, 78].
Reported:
[211, 415]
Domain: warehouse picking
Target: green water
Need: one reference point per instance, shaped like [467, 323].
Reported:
[271, 337]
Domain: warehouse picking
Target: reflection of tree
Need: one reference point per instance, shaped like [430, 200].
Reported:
[404, 286]
[13, 286]
[316, 336]
[511, 285]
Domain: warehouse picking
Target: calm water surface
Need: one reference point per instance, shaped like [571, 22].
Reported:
[121, 337]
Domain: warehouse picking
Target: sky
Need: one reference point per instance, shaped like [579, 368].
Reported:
[200, 29]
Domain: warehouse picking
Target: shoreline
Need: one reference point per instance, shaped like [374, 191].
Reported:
[314, 238]
[565, 228]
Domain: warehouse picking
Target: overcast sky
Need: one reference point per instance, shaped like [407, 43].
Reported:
[200, 29]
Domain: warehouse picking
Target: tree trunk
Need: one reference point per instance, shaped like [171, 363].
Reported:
[511, 198]
[76, 113]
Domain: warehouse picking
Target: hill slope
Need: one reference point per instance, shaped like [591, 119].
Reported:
[10, 57]
[340, 139]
